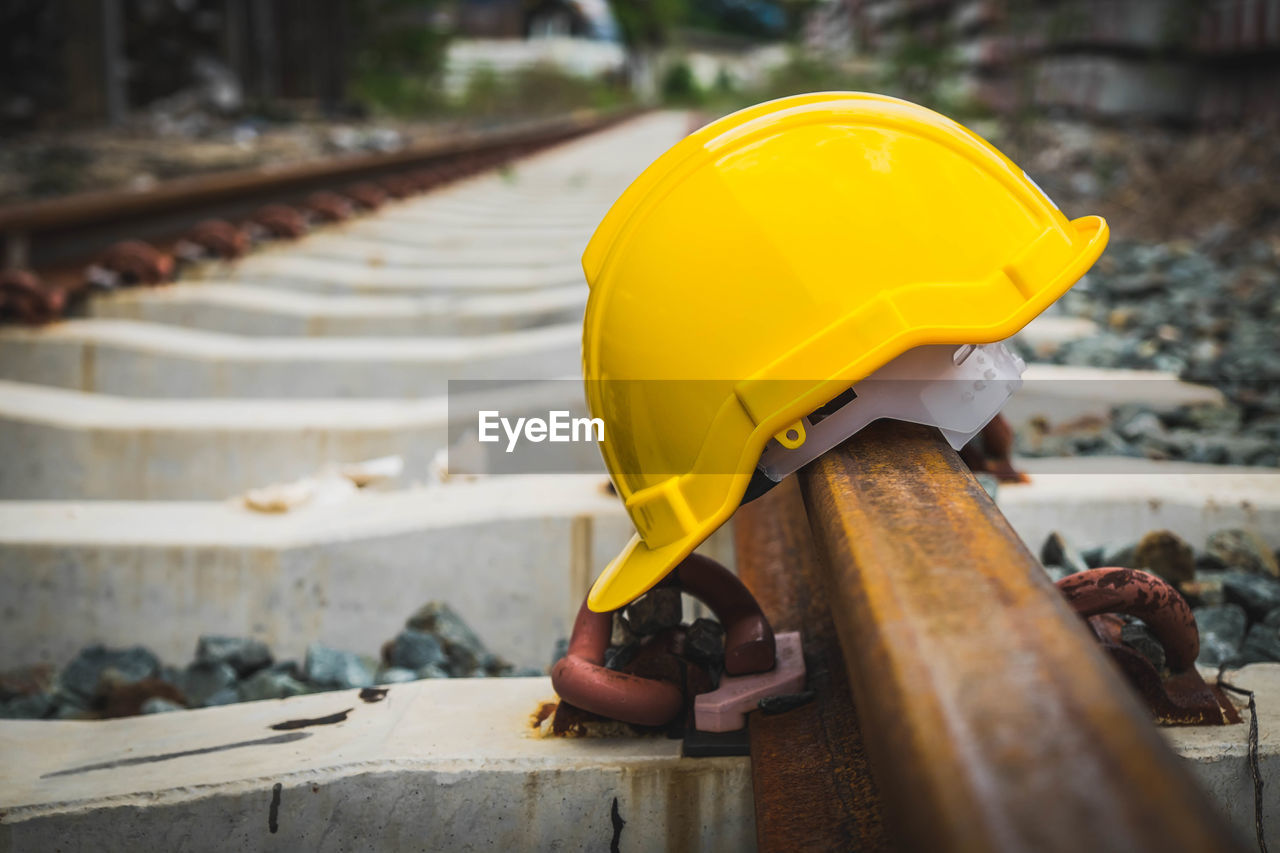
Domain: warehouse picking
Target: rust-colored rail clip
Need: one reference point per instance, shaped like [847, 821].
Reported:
[1182, 698]
[582, 680]
[217, 238]
[23, 297]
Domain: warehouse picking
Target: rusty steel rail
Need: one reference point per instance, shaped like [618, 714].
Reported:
[810, 776]
[981, 714]
[43, 234]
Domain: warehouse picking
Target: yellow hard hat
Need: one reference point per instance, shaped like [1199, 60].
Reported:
[766, 263]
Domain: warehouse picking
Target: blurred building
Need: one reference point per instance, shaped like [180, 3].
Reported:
[577, 37]
[1184, 60]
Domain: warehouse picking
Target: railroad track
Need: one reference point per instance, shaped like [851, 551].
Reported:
[960, 703]
[134, 236]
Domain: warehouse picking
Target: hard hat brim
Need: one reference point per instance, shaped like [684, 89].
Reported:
[635, 571]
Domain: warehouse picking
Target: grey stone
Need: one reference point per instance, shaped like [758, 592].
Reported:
[288, 667]
[616, 657]
[1142, 424]
[160, 705]
[432, 671]
[328, 667]
[1093, 556]
[461, 660]
[1138, 637]
[990, 484]
[72, 712]
[243, 654]
[1262, 643]
[27, 680]
[396, 675]
[1057, 573]
[496, 665]
[1119, 555]
[1243, 549]
[560, 649]
[1257, 594]
[1164, 553]
[79, 680]
[1205, 590]
[440, 619]
[1057, 551]
[202, 680]
[704, 642]
[1222, 631]
[33, 707]
[225, 696]
[461, 645]
[622, 633]
[656, 611]
[526, 672]
[266, 684]
[1209, 563]
[414, 650]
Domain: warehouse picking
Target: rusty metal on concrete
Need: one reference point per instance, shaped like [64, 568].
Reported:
[1140, 594]
[582, 680]
[217, 238]
[994, 721]
[1182, 698]
[24, 298]
[366, 195]
[280, 222]
[135, 262]
[991, 452]
[326, 206]
[812, 783]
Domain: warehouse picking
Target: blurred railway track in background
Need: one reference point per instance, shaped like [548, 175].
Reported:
[137, 235]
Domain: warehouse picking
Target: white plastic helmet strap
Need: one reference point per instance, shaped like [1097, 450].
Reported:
[958, 391]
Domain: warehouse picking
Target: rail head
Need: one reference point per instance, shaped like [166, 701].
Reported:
[992, 720]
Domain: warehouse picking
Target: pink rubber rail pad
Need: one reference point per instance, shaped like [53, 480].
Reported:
[725, 709]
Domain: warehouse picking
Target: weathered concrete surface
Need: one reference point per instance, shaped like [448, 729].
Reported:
[1098, 500]
[269, 312]
[1219, 755]
[436, 765]
[320, 275]
[514, 555]
[1061, 393]
[1048, 332]
[97, 446]
[340, 243]
[535, 542]
[134, 359]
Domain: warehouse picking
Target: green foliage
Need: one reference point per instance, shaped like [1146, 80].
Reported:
[647, 24]
[399, 56]
[540, 90]
[679, 87]
[916, 73]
